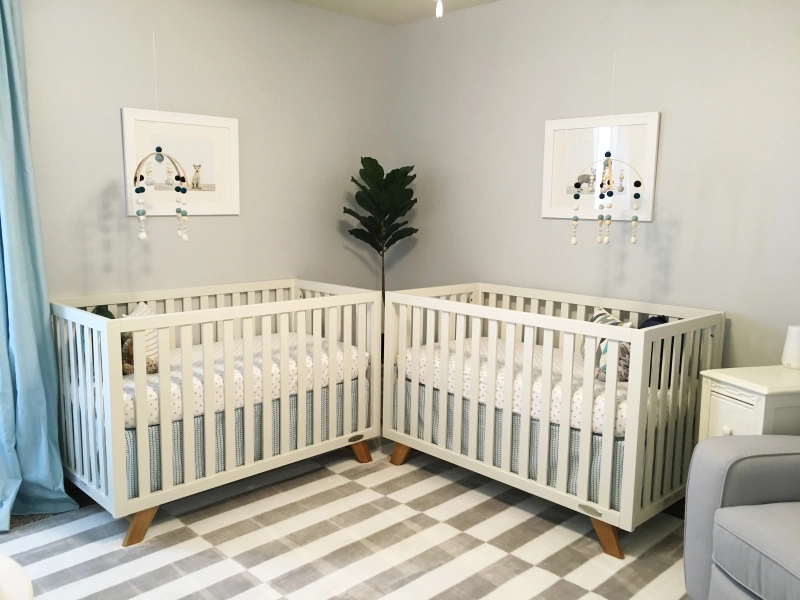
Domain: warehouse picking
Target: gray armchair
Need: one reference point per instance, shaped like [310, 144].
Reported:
[743, 519]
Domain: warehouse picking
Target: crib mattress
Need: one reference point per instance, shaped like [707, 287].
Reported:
[274, 391]
[575, 417]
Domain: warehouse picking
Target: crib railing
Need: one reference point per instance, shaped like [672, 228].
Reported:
[90, 369]
[660, 432]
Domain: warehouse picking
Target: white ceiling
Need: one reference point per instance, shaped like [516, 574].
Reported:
[391, 12]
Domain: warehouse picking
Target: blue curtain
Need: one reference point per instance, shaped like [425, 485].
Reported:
[31, 479]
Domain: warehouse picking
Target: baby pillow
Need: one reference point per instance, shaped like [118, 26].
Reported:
[603, 317]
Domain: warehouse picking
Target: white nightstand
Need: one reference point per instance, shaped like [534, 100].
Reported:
[750, 401]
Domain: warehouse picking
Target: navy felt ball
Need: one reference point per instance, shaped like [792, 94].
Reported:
[183, 190]
[637, 183]
[158, 148]
[576, 196]
[608, 154]
[178, 188]
[609, 193]
[637, 195]
[602, 196]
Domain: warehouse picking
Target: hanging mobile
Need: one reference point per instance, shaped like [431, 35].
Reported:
[179, 180]
[606, 193]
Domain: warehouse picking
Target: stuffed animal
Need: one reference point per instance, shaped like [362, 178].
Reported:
[127, 359]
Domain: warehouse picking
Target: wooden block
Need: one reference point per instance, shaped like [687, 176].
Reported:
[609, 538]
[139, 526]
[399, 454]
[361, 450]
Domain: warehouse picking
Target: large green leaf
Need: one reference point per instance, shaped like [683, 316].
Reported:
[400, 211]
[372, 173]
[403, 233]
[371, 224]
[367, 237]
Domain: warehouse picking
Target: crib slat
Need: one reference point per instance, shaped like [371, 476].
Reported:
[77, 440]
[209, 405]
[508, 398]
[581, 316]
[661, 431]
[427, 425]
[100, 409]
[165, 405]
[691, 412]
[285, 382]
[525, 404]
[248, 414]
[187, 306]
[474, 387]
[444, 384]
[317, 393]
[91, 422]
[83, 401]
[347, 368]
[391, 376]
[332, 329]
[361, 401]
[187, 401]
[229, 392]
[563, 312]
[652, 415]
[458, 386]
[451, 320]
[169, 308]
[609, 416]
[302, 380]
[491, 394]
[672, 419]
[566, 411]
[544, 413]
[142, 413]
[236, 300]
[402, 367]
[505, 303]
[416, 325]
[519, 306]
[65, 414]
[587, 405]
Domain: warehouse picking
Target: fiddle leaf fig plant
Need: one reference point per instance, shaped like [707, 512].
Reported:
[386, 199]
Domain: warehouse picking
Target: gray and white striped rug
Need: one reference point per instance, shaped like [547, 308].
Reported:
[334, 528]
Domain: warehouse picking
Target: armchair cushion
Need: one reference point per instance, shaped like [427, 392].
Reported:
[759, 547]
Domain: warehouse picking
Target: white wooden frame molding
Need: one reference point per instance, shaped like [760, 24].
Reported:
[89, 356]
[647, 170]
[689, 343]
[131, 160]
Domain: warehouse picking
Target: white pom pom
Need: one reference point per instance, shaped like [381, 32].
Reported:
[185, 238]
[608, 204]
[633, 240]
[178, 199]
[142, 235]
[575, 207]
[170, 181]
[602, 206]
[635, 207]
[180, 233]
[184, 200]
[574, 241]
[606, 240]
[139, 199]
[599, 239]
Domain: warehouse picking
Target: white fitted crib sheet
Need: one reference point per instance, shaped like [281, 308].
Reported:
[176, 376]
[576, 417]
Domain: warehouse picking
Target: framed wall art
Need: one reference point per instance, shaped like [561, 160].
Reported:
[601, 165]
[206, 147]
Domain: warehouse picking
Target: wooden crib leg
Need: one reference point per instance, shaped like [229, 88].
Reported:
[399, 454]
[609, 538]
[361, 450]
[139, 526]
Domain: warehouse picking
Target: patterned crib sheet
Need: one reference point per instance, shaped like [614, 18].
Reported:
[176, 376]
[576, 409]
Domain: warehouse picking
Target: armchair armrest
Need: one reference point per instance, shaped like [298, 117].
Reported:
[733, 471]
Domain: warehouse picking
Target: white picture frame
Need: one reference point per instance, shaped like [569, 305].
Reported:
[195, 141]
[633, 142]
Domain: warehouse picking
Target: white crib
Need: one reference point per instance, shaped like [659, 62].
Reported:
[631, 463]
[236, 351]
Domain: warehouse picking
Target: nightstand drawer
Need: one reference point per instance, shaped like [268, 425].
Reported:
[730, 417]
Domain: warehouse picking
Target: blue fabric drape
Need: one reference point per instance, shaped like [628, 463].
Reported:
[31, 479]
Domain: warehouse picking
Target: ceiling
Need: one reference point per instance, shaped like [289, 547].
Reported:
[391, 12]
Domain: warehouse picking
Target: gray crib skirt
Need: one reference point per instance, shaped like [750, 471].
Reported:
[178, 467]
[533, 463]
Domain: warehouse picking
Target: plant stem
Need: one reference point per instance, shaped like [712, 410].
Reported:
[383, 277]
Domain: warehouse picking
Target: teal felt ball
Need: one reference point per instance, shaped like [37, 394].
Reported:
[634, 218]
[184, 213]
[159, 158]
[599, 217]
[574, 218]
[608, 217]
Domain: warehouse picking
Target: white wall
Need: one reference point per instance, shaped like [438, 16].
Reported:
[310, 90]
[471, 93]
